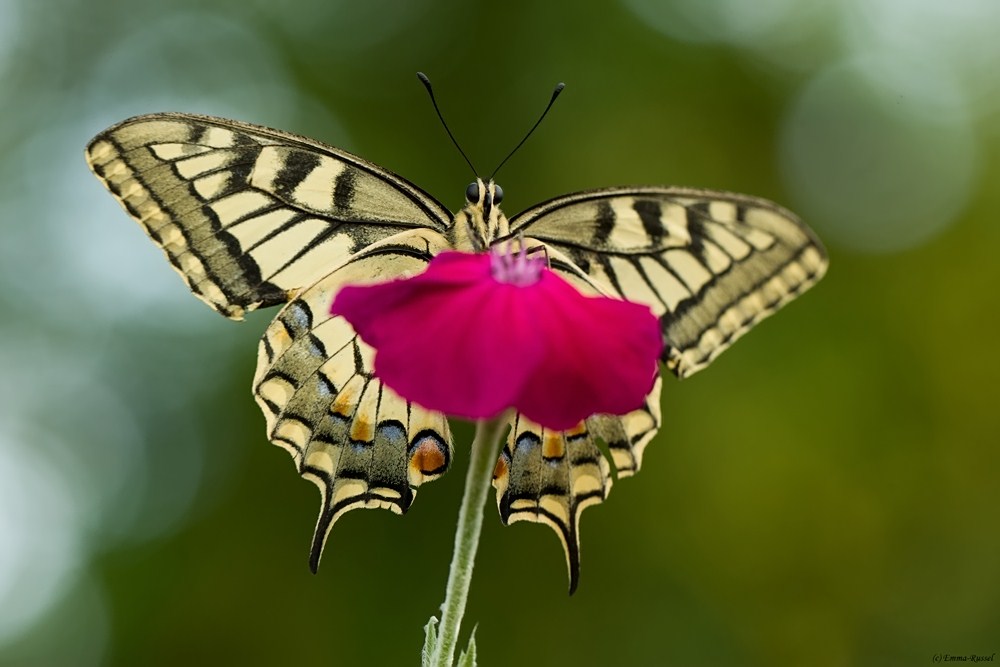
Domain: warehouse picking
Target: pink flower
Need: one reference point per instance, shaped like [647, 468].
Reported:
[476, 334]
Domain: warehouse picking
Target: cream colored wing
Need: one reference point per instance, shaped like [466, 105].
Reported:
[360, 443]
[710, 264]
[550, 477]
[246, 214]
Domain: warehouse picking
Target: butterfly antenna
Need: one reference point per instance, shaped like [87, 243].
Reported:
[430, 91]
[555, 94]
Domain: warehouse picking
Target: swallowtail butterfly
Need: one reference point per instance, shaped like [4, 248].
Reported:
[252, 217]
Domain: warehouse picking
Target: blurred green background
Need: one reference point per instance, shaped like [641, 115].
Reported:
[826, 494]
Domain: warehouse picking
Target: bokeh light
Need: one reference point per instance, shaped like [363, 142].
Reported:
[8, 28]
[959, 37]
[878, 160]
[35, 563]
[173, 64]
[783, 33]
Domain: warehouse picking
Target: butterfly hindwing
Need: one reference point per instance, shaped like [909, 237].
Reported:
[246, 214]
[359, 442]
[550, 477]
[709, 264]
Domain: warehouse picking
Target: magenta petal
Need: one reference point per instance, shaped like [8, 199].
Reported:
[602, 356]
[443, 338]
[457, 340]
[366, 306]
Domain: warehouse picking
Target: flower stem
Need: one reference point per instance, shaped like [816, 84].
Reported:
[485, 449]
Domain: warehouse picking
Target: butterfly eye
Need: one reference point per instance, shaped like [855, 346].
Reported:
[497, 194]
[472, 193]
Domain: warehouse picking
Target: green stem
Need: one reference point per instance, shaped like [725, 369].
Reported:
[485, 449]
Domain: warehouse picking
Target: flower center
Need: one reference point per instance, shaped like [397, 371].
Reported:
[516, 268]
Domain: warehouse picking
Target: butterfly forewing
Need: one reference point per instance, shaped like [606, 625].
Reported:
[247, 214]
[363, 445]
[709, 264]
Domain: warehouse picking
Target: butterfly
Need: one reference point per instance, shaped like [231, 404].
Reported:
[253, 217]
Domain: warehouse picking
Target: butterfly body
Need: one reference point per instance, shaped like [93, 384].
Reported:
[480, 222]
[252, 217]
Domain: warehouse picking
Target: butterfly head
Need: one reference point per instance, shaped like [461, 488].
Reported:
[481, 221]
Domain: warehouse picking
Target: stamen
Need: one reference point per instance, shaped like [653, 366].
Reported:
[516, 267]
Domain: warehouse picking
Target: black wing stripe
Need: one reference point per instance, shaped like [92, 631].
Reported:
[198, 185]
[710, 264]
